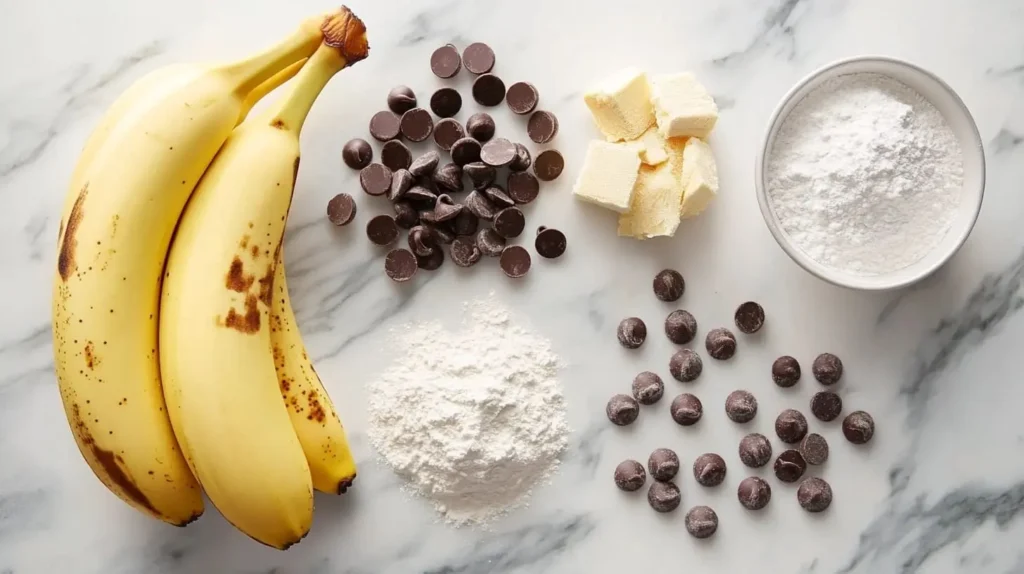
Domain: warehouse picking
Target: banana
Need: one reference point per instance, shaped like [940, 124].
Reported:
[218, 372]
[128, 189]
[312, 414]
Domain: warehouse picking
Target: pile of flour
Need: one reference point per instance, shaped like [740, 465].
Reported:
[472, 419]
[865, 175]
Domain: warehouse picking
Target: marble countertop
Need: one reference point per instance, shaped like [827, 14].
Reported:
[940, 489]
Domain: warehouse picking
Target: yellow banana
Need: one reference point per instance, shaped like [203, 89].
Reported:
[218, 372]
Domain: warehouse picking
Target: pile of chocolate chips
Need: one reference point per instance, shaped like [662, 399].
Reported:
[426, 192]
[755, 450]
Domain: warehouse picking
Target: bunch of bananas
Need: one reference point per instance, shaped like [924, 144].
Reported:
[179, 360]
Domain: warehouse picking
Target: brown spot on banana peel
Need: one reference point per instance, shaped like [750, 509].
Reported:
[91, 360]
[236, 279]
[248, 323]
[346, 32]
[345, 483]
[66, 257]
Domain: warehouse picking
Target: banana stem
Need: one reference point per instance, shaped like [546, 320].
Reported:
[248, 74]
[270, 85]
[290, 111]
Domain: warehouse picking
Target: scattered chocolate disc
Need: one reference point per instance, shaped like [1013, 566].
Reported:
[814, 447]
[395, 155]
[357, 153]
[498, 196]
[791, 426]
[421, 241]
[466, 223]
[464, 251]
[630, 475]
[755, 450]
[686, 409]
[785, 371]
[814, 495]
[685, 365]
[741, 406]
[341, 209]
[466, 150]
[550, 164]
[669, 285]
[720, 343]
[701, 522]
[550, 243]
[425, 165]
[431, 262]
[488, 90]
[385, 125]
[664, 496]
[417, 124]
[754, 493]
[542, 127]
[449, 177]
[446, 102]
[522, 97]
[478, 204]
[523, 187]
[622, 409]
[826, 406]
[480, 174]
[522, 160]
[509, 222]
[858, 427]
[827, 369]
[375, 179]
[400, 265]
[709, 469]
[445, 62]
[632, 332]
[447, 132]
[648, 388]
[490, 243]
[790, 466]
[421, 196]
[401, 99]
[446, 209]
[663, 464]
[680, 327]
[498, 152]
[406, 216]
[514, 261]
[480, 126]
[749, 317]
[478, 58]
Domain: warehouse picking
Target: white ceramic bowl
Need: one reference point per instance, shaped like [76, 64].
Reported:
[956, 114]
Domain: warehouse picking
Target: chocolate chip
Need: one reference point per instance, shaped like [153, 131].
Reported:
[480, 126]
[686, 409]
[741, 406]
[478, 204]
[785, 371]
[431, 262]
[449, 177]
[498, 152]
[406, 215]
[827, 369]
[395, 155]
[490, 243]
[447, 132]
[754, 493]
[478, 57]
[417, 124]
[522, 97]
[669, 285]
[401, 182]
[814, 495]
[464, 251]
[648, 388]
[622, 409]
[814, 447]
[427, 216]
[446, 102]
[401, 99]
[755, 450]
[427, 182]
[421, 196]
[425, 164]
[357, 153]
[721, 344]
[701, 522]
[685, 365]
[680, 327]
[509, 222]
[488, 90]
[858, 427]
[498, 196]
[550, 243]
[826, 406]
[514, 261]
[341, 209]
[522, 160]
[664, 496]
[749, 317]
[385, 125]
[523, 187]
[466, 150]
[630, 475]
[446, 209]
[466, 223]
[632, 332]
[542, 127]
[400, 265]
[480, 174]
[791, 426]
[375, 179]
[445, 62]
[443, 232]
[709, 469]
[550, 164]
[790, 466]
[663, 464]
[421, 241]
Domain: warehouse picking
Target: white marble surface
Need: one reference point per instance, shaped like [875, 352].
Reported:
[940, 489]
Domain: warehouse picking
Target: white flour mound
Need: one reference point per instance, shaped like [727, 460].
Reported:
[473, 419]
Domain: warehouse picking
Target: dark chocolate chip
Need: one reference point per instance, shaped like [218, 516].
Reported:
[509, 222]
[464, 251]
[449, 177]
[669, 285]
[701, 522]
[663, 464]
[550, 164]
[427, 182]
[421, 196]
[664, 496]
[720, 343]
[498, 196]
[755, 450]
[421, 241]
[445, 61]
[648, 388]
[341, 209]
[401, 182]
[522, 160]
[514, 261]
[446, 102]
[490, 243]
[858, 427]
[480, 126]
[542, 126]
[480, 174]
[488, 90]
[447, 132]
[680, 327]
[406, 215]
[632, 332]
[686, 409]
[443, 232]
[741, 406]
[466, 150]
[401, 99]
[814, 447]
[396, 155]
[400, 265]
[550, 243]
[790, 466]
[385, 125]
[498, 152]
[357, 153]
[478, 57]
[427, 216]
[523, 187]
[622, 409]
[478, 204]
[522, 97]
[827, 369]
[785, 371]
[466, 223]
[685, 365]
[709, 469]
[425, 165]
[754, 493]
[375, 179]
[630, 475]
[814, 495]
[826, 406]
[417, 124]
[791, 426]
[749, 317]
[431, 262]
[446, 209]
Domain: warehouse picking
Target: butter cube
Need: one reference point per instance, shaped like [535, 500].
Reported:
[699, 177]
[654, 210]
[683, 106]
[621, 105]
[608, 175]
[652, 147]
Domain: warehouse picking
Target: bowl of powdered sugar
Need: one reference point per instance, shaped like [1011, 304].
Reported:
[872, 173]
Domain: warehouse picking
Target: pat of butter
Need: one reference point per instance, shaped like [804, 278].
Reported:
[683, 106]
[621, 105]
[651, 147]
[699, 177]
[608, 175]
[654, 210]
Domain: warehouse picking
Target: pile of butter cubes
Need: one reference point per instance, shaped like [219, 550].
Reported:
[655, 167]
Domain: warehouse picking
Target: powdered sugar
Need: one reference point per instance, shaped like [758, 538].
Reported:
[473, 419]
[865, 175]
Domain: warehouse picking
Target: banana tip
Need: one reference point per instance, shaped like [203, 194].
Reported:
[344, 31]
